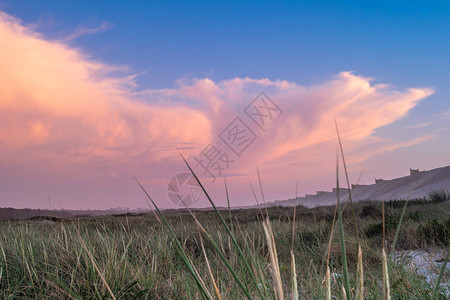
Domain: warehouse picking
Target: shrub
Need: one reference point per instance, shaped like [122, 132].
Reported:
[438, 196]
[377, 228]
[436, 232]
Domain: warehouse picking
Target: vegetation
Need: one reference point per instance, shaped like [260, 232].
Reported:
[138, 257]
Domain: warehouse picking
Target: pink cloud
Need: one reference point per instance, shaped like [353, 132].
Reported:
[64, 117]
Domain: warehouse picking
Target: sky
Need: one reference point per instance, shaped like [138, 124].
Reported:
[94, 93]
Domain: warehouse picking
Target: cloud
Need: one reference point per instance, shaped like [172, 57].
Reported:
[60, 107]
[81, 30]
[64, 115]
[444, 116]
[309, 112]
[420, 125]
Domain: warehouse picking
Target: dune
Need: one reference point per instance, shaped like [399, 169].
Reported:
[414, 186]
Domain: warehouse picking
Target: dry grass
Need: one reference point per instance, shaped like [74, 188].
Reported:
[139, 260]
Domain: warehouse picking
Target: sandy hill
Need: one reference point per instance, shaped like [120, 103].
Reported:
[418, 185]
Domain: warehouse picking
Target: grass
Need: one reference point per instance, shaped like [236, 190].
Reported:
[138, 258]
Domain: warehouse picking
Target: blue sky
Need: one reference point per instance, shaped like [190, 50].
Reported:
[400, 43]
[405, 43]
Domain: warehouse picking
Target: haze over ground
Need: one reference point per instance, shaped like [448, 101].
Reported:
[92, 94]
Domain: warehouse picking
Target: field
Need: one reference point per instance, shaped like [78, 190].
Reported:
[136, 257]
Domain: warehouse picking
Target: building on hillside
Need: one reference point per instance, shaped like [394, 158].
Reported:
[379, 180]
[414, 171]
[355, 186]
[320, 193]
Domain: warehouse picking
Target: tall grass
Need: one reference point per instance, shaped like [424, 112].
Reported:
[139, 260]
[346, 287]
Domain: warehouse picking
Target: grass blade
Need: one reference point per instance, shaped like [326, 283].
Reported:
[256, 199]
[386, 287]
[227, 264]
[179, 247]
[346, 286]
[95, 265]
[228, 203]
[217, 248]
[216, 289]
[344, 293]
[294, 277]
[278, 286]
[360, 276]
[441, 273]
[397, 231]
[348, 184]
[293, 271]
[241, 254]
[328, 284]
[333, 225]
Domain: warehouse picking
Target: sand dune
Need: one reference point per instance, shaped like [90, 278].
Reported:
[412, 187]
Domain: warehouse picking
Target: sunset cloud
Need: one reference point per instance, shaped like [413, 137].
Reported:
[64, 113]
[55, 99]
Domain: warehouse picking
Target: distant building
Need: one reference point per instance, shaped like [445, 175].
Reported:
[309, 195]
[321, 192]
[379, 180]
[414, 171]
[355, 186]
